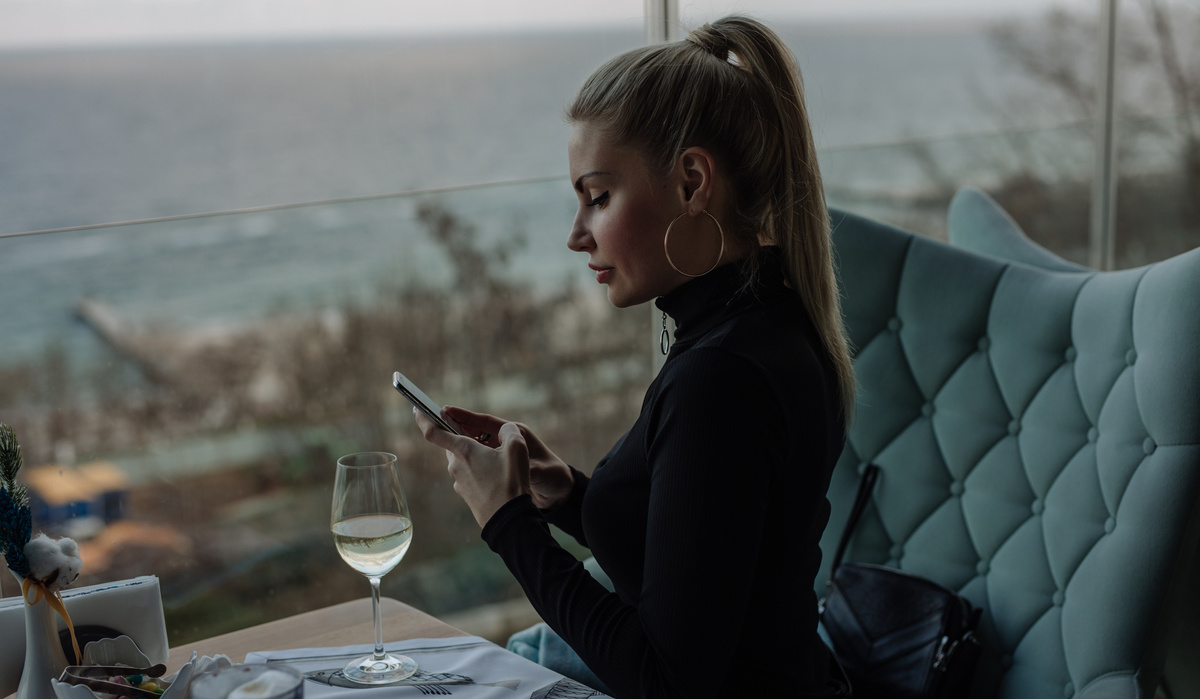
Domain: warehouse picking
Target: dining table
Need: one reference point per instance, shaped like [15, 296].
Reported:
[342, 624]
[452, 661]
[458, 662]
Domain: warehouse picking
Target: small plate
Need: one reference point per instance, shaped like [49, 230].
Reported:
[115, 651]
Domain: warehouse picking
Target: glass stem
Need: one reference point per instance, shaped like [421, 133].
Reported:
[378, 618]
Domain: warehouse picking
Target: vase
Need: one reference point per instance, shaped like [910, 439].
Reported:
[44, 657]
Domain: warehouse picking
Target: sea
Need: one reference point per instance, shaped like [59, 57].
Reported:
[469, 123]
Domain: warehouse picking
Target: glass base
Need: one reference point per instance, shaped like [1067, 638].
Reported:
[371, 670]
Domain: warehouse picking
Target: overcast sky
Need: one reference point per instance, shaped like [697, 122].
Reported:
[55, 22]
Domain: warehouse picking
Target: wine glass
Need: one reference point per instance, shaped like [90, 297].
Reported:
[372, 529]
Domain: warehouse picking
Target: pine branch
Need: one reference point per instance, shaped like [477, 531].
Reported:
[16, 528]
[15, 522]
[10, 463]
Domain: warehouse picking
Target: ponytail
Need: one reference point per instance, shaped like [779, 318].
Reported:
[733, 87]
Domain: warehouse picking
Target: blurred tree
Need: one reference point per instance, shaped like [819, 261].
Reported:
[1158, 100]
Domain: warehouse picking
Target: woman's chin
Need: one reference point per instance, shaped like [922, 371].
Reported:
[620, 300]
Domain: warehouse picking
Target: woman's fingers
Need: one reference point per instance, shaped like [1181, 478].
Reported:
[469, 419]
[481, 427]
[537, 448]
[485, 478]
[516, 458]
[435, 435]
[512, 441]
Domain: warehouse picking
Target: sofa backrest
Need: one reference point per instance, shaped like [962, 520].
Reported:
[1038, 435]
[977, 222]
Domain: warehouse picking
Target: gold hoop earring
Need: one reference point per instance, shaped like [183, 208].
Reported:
[667, 246]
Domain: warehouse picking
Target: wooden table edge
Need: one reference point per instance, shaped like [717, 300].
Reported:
[345, 624]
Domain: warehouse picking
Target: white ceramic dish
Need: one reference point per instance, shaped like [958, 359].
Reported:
[115, 651]
[123, 651]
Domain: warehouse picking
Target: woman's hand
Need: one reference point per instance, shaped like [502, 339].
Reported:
[485, 477]
[502, 461]
[550, 479]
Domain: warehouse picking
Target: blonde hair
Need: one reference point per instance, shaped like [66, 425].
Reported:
[734, 88]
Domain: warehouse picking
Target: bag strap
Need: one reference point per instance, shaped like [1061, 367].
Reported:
[866, 483]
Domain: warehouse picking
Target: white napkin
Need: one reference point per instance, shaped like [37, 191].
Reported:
[467, 667]
[132, 607]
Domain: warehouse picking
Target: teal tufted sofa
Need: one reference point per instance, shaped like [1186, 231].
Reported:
[1037, 427]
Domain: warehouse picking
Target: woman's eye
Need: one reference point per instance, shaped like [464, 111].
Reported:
[599, 200]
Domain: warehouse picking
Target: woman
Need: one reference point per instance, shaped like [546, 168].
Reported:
[698, 187]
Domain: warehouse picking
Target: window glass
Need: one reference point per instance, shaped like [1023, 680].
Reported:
[197, 376]
[113, 128]
[1157, 98]
[912, 100]
[378, 191]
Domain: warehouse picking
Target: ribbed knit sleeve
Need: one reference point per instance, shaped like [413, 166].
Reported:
[560, 589]
[711, 474]
[568, 515]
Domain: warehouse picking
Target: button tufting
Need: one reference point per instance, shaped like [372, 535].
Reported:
[897, 551]
[1130, 357]
[927, 410]
[1148, 446]
[1058, 597]
[982, 567]
[956, 488]
[862, 468]
[1037, 507]
[1014, 427]
[1109, 525]
[894, 324]
[1069, 355]
[1093, 434]
[985, 344]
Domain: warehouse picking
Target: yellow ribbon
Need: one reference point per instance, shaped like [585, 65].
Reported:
[54, 599]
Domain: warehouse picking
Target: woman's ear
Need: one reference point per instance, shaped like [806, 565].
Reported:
[699, 173]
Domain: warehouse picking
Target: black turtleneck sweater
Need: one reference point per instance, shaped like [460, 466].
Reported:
[707, 514]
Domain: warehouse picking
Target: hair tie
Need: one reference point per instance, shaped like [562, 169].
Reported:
[712, 41]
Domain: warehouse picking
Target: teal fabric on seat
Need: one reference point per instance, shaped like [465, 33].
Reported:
[540, 644]
[978, 223]
[1037, 427]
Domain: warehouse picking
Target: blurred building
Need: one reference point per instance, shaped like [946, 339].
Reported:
[87, 496]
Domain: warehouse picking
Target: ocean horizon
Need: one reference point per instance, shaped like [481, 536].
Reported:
[104, 134]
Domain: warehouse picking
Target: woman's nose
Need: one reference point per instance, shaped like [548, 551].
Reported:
[579, 240]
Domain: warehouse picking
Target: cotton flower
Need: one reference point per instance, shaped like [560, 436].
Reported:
[53, 562]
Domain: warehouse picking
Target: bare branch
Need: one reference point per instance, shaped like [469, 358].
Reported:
[1059, 54]
[1181, 89]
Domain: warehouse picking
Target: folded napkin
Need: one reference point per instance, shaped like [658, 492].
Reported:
[131, 607]
[465, 667]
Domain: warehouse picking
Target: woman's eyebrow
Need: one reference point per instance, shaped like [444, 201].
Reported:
[593, 173]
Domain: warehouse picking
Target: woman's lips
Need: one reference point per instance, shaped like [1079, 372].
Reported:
[603, 274]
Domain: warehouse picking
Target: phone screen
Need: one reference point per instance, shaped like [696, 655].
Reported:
[422, 402]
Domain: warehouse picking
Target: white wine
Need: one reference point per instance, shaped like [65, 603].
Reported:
[373, 544]
[371, 532]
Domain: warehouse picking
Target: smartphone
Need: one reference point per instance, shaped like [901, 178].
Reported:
[422, 402]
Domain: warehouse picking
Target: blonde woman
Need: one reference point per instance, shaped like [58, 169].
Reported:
[699, 190]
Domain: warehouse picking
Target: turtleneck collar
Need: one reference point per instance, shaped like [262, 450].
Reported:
[704, 302]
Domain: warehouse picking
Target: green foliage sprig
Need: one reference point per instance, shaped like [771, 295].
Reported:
[16, 524]
[10, 463]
